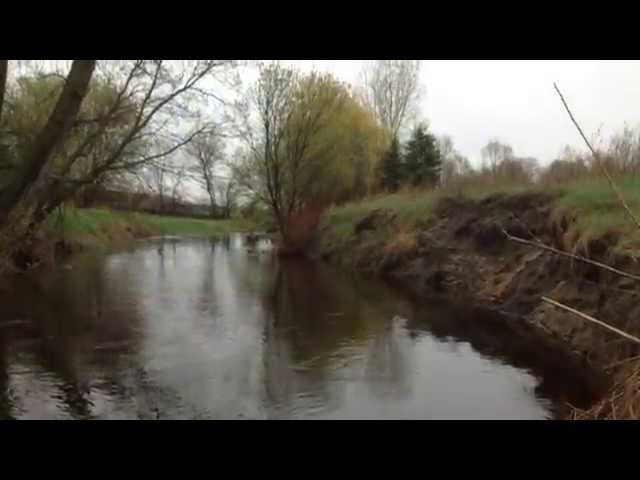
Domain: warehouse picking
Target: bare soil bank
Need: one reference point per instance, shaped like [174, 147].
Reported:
[462, 254]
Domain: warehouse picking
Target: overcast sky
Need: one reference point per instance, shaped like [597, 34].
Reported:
[473, 101]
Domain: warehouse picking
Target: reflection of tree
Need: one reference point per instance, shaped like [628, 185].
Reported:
[67, 316]
[315, 318]
[225, 241]
[58, 356]
[160, 250]
[103, 326]
[387, 366]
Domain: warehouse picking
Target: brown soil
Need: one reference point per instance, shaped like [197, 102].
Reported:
[463, 253]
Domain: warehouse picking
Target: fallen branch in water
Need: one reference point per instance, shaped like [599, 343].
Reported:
[591, 319]
[569, 255]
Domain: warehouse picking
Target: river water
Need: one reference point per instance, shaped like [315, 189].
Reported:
[219, 329]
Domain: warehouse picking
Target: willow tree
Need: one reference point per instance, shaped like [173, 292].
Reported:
[308, 140]
[349, 148]
[281, 116]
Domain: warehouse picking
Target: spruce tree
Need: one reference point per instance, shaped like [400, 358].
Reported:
[391, 174]
[422, 162]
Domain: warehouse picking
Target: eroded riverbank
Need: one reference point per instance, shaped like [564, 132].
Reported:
[460, 252]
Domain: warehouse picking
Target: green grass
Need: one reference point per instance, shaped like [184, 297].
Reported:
[103, 227]
[594, 204]
[192, 226]
[410, 207]
[598, 210]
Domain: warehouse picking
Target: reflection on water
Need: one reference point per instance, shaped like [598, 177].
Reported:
[206, 329]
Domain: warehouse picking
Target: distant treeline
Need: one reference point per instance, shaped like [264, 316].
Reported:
[143, 202]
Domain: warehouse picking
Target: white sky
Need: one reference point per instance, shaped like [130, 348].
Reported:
[473, 101]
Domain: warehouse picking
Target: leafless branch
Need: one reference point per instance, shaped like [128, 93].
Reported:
[591, 319]
[602, 166]
[393, 91]
[569, 255]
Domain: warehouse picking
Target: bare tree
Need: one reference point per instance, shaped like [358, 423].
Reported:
[163, 183]
[156, 176]
[453, 163]
[392, 89]
[176, 181]
[208, 152]
[518, 170]
[493, 154]
[227, 192]
[445, 146]
[624, 151]
[140, 114]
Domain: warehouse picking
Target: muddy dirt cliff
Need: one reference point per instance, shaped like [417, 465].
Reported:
[462, 252]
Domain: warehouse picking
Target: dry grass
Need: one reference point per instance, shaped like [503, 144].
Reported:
[585, 209]
[401, 241]
[622, 402]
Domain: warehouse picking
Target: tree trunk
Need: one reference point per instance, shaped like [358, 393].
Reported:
[54, 131]
[4, 67]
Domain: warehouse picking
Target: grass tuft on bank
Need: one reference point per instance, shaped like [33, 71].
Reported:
[590, 201]
[598, 211]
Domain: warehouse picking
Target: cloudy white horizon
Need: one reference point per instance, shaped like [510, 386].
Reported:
[474, 101]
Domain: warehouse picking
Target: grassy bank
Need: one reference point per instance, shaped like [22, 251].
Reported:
[104, 227]
[590, 202]
[589, 210]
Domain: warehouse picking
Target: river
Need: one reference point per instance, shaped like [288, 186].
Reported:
[180, 328]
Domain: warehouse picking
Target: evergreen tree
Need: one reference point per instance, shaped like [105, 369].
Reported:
[422, 162]
[391, 174]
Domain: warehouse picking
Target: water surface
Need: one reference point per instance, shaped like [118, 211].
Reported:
[218, 329]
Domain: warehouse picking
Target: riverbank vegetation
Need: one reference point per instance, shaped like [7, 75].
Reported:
[299, 151]
[588, 202]
[94, 227]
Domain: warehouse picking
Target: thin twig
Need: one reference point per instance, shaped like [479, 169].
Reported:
[591, 319]
[602, 166]
[614, 289]
[621, 362]
[570, 255]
